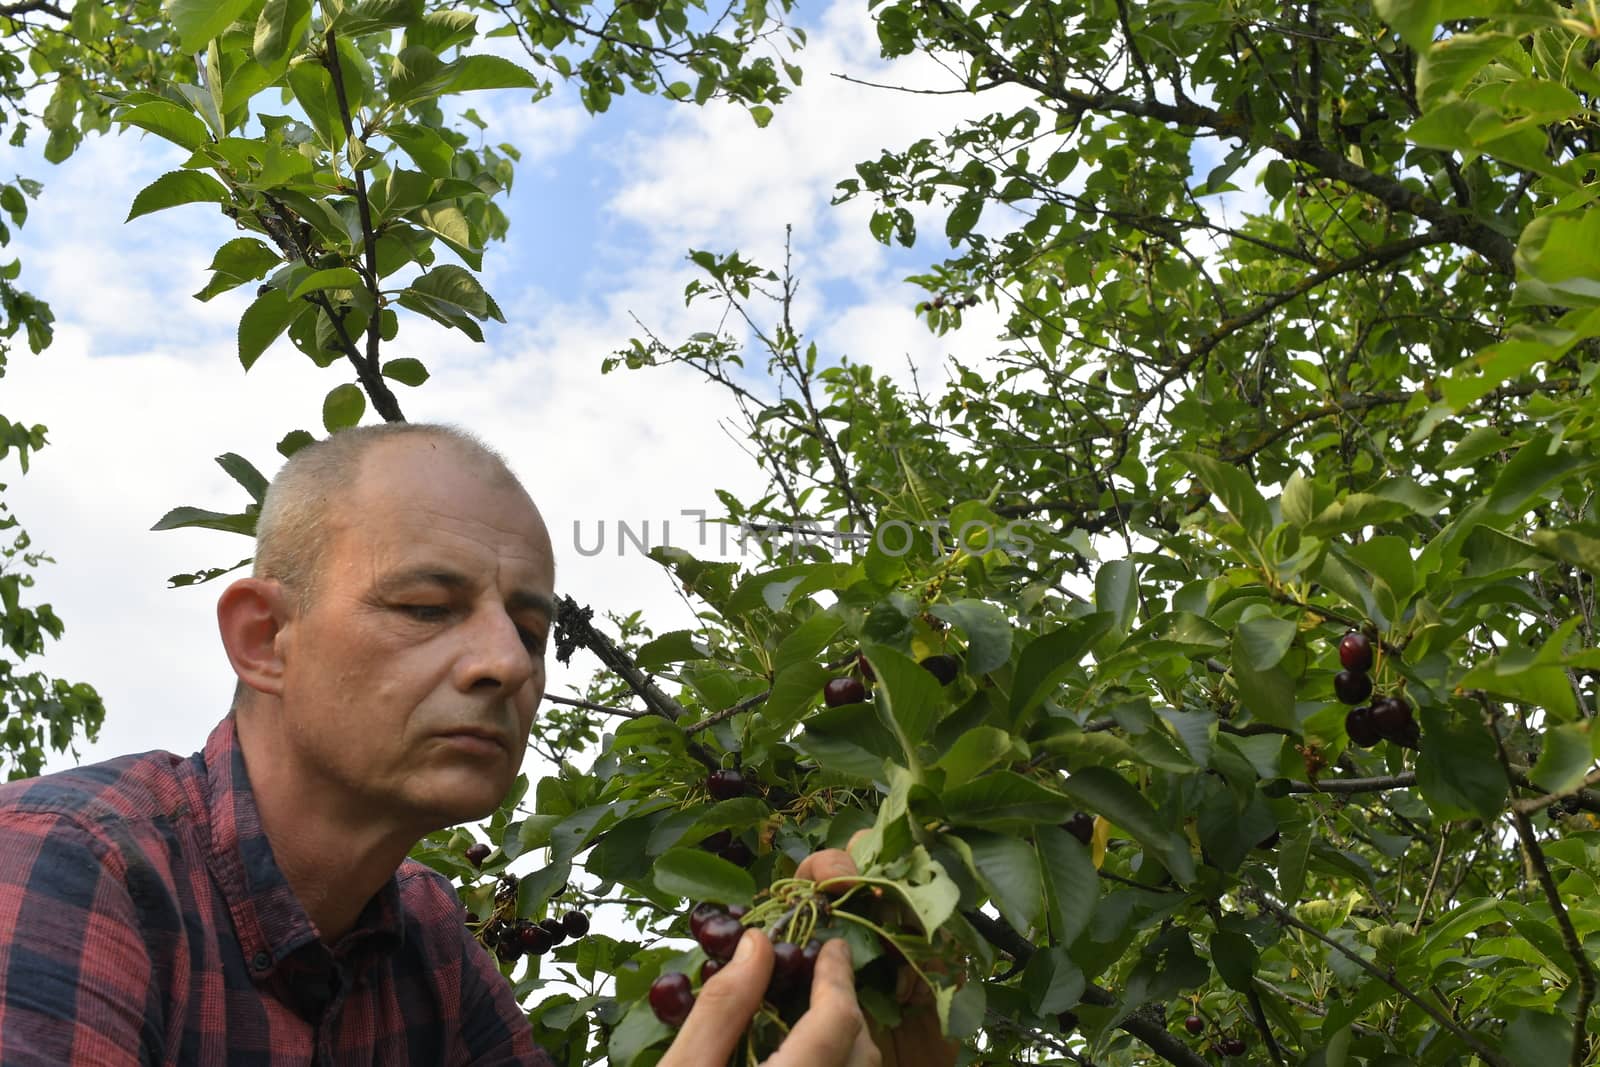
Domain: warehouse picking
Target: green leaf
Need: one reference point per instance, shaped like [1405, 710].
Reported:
[795, 690]
[964, 216]
[987, 629]
[370, 16]
[264, 322]
[343, 407]
[430, 152]
[279, 28]
[1008, 868]
[1233, 487]
[457, 287]
[1107, 793]
[1116, 590]
[973, 753]
[761, 114]
[1263, 641]
[673, 647]
[199, 21]
[332, 278]
[406, 371]
[1072, 886]
[1414, 20]
[694, 874]
[1004, 800]
[1578, 545]
[1457, 770]
[1235, 959]
[908, 699]
[1049, 659]
[1353, 512]
[417, 80]
[167, 120]
[199, 518]
[1052, 981]
[638, 1032]
[178, 187]
[245, 258]
[1565, 758]
[244, 472]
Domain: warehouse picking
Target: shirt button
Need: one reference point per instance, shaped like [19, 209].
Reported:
[261, 961]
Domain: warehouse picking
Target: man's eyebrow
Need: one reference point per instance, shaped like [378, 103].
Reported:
[519, 600]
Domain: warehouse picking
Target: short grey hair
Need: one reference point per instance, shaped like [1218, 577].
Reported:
[292, 528]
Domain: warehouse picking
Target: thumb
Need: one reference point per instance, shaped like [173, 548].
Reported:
[725, 1006]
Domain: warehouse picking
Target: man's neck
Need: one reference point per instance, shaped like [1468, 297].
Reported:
[334, 863]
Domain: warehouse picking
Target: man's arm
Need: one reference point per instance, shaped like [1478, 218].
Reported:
[74, 970]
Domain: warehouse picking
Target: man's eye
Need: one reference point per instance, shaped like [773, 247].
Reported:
[425, 612]
[533, 642]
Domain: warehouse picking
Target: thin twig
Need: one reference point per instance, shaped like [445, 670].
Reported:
[572, 702]
[1552, 895]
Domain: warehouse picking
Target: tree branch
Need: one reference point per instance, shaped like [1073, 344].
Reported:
[371, 374]
[28, 7]
[1403, 780]
[1552, 895]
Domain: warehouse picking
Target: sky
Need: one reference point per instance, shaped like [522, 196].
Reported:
[142, 386]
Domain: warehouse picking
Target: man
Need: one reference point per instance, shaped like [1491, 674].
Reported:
[254, 904]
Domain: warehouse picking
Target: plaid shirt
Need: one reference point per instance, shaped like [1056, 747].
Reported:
[144, 920]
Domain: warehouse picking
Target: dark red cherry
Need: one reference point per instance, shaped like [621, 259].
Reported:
[1080, 824]
[1352, 687]
[725, 784]
[575, 923]
[788, 968]
[1355, 652]
[477, 853]
[719, 936]
[841, 691]
[717, 841]
[738, 853]
[709, 968]
[1195, 1025]
[943, 668]
[1392, 717]
[1360, 728]
[698, 917]
[554, 929]
[671, 998]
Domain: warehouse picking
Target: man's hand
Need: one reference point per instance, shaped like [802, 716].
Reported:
[832, 1032]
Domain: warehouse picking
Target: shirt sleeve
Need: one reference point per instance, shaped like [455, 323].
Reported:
[495, 1028]
[74, 969]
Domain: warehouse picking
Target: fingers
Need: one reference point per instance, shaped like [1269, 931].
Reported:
[832, 1032]
[725, 1006]
[827, 865]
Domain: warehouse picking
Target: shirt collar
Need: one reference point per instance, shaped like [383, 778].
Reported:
[268, 918]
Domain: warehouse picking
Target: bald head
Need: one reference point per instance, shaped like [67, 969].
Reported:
[315, 491]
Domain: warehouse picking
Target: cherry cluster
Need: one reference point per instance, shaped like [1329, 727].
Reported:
[510, 938]
[852, 688]
[1387, 718]
[718, 931]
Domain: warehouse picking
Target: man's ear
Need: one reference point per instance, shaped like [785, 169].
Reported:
[250, 615]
